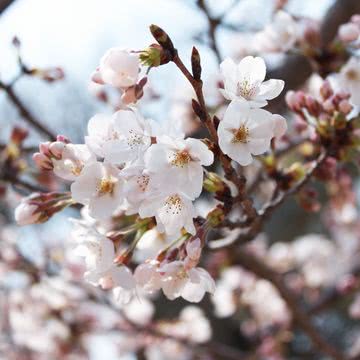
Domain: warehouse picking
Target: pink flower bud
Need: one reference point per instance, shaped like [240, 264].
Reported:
[295, 100]
[345, 107]
[326, 90]
[313, 105]
[129, 96]
[42, 161]
[329, 106]
[56, 148]
[26, 213]
[44, 148]
[18, 135]
[96, 77]
[300, 124]
[349, 32]
[63, 139]
[290, 99]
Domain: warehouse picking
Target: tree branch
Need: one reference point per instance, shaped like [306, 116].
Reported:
[25, 113]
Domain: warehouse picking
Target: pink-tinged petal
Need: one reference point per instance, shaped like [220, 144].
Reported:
[123, 277]
[270, 89]
[206, 279]
[172, 288]
[280, 126]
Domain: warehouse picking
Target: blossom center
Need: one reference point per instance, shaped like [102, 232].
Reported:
[173, 205]
[135, 139]
[143, 182]
[182, 274]
[180, 158]
[352, 74]
[105, 186]
[240, 135]
[245, 89]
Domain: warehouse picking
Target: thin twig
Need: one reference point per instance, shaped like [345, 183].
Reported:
[25, 113]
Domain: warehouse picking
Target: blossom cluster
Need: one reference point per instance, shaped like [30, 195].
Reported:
[153, 199]
[131, 165]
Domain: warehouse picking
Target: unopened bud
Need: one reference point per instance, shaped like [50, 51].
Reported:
[56, 149]
[196, 64]
[96, 77]
[42, 161]
[345, 107]
[326, 90]
[44, 148]
[329, 106]
[129, 96]
[26, 214]
[349, 32]
[163, 39]
[213, 183]
[313, 105]
[63, 139]
[295, 100]
[216, 216]
[18, 135]
[39, 207]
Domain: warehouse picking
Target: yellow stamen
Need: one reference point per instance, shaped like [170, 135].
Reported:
[181, 158]
[240, 135]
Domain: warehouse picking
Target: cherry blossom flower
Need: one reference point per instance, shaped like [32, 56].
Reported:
[190, 284]
[150, 244]
[100, 187]
[245, 81]
[97, 250]
[139, 184]
[120, 138]
[118, 67]
[131, 136]
[147, 276]
[118, 278]
[193, 253]
[349, 79]
[99, 132]
[280, 35]
[172, 212]
[182, 161]
[245, 132]
[73, 158]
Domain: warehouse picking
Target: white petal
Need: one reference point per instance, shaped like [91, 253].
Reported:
[271, 89]
[200, 151]
[252, 68]
[280, 125]
[259, 146]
